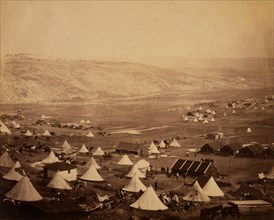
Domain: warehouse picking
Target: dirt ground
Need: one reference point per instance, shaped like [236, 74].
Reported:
[144, 114]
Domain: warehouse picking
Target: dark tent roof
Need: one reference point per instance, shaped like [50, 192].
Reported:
[129, 146]
[194, 166]
[256, 149]
[216, 145]
[61, 166]
[178, 163]
[246, 189]
[198, 167]
[186, 165]
[235, 146]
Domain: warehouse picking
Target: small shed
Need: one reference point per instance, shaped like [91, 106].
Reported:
[268, 152]
[230, 149]
[251, 151]
[212, 147]
[68, 171]
[130, 148]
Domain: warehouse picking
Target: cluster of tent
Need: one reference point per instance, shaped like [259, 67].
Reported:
[85, 122]
[198, 194]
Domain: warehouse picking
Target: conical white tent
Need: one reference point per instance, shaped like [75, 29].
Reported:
[174, 143]
[125, 161]
[205, 121]
[17, 126]
[153, 149]
[13, 175]
[88, 122]
[17, 165]
[6, 161]
[195, 120]
[186, 118]
[83, 149]
[28, 133]
[212, 119]
[248, 130]
[213, 113]
[162, 144]
[43, 116]
[200, 108]
[51, 158]
[99, 152]
[135, 185]
[24, 191]
[65, 145]
[46, 133]
[4, 129]
[58, 182]
[134, 170]
[82, 121]
[92, 175]
[93, 162]
[143, 165]
[149, 201]
[212, 189]
[233, 111]
[90, 134]
[196, 194]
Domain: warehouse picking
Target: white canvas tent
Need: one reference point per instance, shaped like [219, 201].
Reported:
[90, 134]
[17, 126]
[143, 165]
[28, 133]
[13, 175]
[46, 133]
[135, 185]
[17, 165]
[24, 191]
[205, 121]
[6, 161]
[65, 145]
[83, 149]
[153, 149]
[4, 129]
[248, 130]
[162, 144]
[125, 161]
[82, 121]
[93, 162]
[135, 171]
[88, 122]
[195, 120]
[51, 158]
[92, 175]
[196, 194]
[212, 189]
[58, 182]
[99, 152]
[149, 201]
[212, 119]
[174, 143]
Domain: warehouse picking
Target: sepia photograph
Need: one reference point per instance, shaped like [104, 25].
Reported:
[137, 110]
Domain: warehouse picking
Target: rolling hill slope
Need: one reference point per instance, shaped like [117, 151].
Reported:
[28, 78]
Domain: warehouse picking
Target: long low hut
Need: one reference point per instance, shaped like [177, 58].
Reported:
[193, 168]
[130, 148]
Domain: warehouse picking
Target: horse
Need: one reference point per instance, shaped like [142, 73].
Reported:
[231, 210]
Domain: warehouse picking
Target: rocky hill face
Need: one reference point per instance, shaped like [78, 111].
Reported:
[27, 78]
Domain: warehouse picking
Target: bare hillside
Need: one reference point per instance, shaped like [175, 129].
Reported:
[27, 78]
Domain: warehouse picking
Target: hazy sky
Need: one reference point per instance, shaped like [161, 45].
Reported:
[138, 31]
